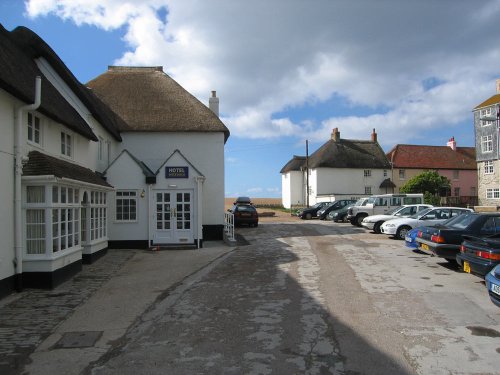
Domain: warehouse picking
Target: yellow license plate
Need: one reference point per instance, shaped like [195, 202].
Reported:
[425, 247]
[466, 267]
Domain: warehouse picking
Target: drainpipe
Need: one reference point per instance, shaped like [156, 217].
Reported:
[18, 160]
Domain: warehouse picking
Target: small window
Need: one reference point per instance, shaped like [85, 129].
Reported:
[34, 129]
[456, 174]
[100, 151]
[492, 193]
[368, 173]
[126, 206]
[402, 174]
[66, 144]
[488, 167]
[457, 192]
[385, 172]
[368, 190]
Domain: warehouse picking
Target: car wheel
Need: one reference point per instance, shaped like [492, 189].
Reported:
[308, 216]
[353, 221]
[402, 232]
[376, 227]
[359, 219]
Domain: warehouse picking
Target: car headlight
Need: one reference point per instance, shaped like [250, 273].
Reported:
[335, 214]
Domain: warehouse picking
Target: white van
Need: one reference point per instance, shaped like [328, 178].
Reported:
[380, 204]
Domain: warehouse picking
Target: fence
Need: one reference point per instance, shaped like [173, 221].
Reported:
[229, 226]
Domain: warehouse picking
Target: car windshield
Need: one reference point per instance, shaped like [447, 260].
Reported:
[246, 208]
[418, 215]
[360, 202]
[394, 210]
[460, 221]
[317, 205]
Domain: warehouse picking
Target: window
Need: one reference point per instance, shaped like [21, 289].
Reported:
[368, 190]
[486, 112]
[34, 129]
[368, 173]
[35, 231]
[385, 172]
[492, 193]
[473, 191]
[456, 192]
[486, 122]
[126, 206]
[456, 174]
[98, 215]
[488, 167]
[401, 174]
[487, 143]
[100, 151]
[66, 146]
[65, 218]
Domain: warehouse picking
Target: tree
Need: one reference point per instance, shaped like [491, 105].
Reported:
[430, 183]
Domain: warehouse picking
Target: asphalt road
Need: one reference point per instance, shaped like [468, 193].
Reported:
[314, 297]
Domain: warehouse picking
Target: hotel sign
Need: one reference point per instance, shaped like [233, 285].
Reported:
[176, 172]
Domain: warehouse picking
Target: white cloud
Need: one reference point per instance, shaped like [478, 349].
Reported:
[255, 190]
[265, 57]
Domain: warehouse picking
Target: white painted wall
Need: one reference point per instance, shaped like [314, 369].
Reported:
[125, 174]
[7, 110]
[204, 150]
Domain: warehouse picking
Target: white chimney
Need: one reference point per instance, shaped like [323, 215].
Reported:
[498, 86]
[452, 144]
[213, 103]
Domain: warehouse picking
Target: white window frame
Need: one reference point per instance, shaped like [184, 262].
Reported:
[98, 216]
[66, 144]
[367, 172]
[402, 174]
[368, 190]
[34, 127]
[126, 199]
[487, 143]
[493, 193]
[488, 167]
[486, 111]
[456, 174]
[100, 149]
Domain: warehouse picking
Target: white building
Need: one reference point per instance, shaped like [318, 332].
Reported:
[62, 150]
[339, 169]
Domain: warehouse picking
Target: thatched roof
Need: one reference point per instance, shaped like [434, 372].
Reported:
[296, 164]
[432, 157]
[347, 153]
[34, 47]
[40, 164]
[18, 71]
[149, 100]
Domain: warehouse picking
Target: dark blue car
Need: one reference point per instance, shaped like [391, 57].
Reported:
[493, 285]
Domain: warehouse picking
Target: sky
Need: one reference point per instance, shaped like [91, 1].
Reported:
[287, 71]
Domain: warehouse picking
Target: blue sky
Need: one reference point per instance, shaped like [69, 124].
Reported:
[290, 70]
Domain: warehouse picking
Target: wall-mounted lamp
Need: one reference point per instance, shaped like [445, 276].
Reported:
[143, 193]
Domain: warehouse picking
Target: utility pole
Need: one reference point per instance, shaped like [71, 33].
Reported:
[307, 173]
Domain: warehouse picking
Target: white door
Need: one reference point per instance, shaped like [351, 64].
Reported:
[174, 220]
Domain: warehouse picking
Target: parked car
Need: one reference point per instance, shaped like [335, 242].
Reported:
[324, 211]
[430, 216]
[310, 212]
[493, 284]
[444, 240]
[410, 238]
[245, 214]
[373, 222]
[380, 204]
[339, 214]
[479, 255]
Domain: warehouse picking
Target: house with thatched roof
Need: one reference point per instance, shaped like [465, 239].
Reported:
[131, 160]
[339, 169]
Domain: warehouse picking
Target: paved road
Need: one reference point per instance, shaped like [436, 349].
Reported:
[316, 298]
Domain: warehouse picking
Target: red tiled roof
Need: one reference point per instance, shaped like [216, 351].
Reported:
[432, 157]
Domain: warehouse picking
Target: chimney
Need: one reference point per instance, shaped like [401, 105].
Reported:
[452, 144]
[498, 86]
[336, 135]
[374, 136]
[213, 103]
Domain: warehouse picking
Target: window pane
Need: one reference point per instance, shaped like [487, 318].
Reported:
[35, 194]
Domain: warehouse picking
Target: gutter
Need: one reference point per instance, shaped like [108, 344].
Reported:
[18, 161]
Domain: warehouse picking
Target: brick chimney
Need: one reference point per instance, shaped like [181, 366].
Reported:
[213, 103]
[336, 135]
[374, 136]
[452, 144]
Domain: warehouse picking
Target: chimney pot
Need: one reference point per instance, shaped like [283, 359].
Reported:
[452, 144]
[374, 136]
[336, 135]
[213, 103]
